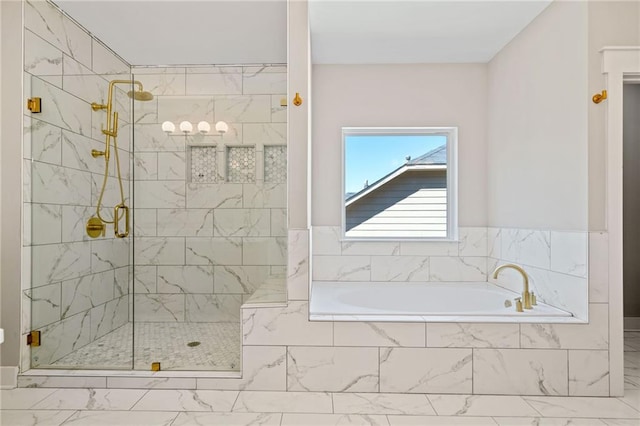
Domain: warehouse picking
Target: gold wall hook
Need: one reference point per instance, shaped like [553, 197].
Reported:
[599, 97]
[297, 100]
[34, 105]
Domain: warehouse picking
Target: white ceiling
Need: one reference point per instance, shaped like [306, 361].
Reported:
[415, 31]
[152, 32]
[146, 32]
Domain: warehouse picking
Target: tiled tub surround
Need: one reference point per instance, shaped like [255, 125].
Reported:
[210, 227]
[555, 260]
[75, 288]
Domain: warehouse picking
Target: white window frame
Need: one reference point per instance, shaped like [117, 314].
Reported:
[451, 134]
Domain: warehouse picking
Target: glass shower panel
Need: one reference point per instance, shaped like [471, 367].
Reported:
[78, 291]
[209, 222]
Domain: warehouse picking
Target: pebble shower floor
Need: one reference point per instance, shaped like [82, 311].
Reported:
[167, 343]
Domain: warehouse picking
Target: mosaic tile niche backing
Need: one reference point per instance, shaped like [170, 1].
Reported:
[204, 168]
[275, 164]
[241, 164]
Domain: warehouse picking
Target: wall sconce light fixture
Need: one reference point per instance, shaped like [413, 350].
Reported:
[187, 128]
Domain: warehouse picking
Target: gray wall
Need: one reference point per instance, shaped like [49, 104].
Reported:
[631, 194]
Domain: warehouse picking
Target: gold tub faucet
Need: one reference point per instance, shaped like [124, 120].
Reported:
[528, 298]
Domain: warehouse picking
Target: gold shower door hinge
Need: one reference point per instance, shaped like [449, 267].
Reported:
[34, 105]
[33, 338]
[155, 366]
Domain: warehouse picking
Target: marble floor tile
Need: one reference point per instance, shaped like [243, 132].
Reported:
[545, 421]
[440, 421]
[22, 398]
[333, 420]
[632, 398]
[228, 419]
[381, 403]
[286, 402]
[481, 405]
[33, 418]
[186, 400]
[91, 399]
[582, 407]
[122, 418]
[620, 422]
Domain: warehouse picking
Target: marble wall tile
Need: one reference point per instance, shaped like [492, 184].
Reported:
[288, 325]
[413, 370]
[61, 382]
[528, 247]
[218, 196]
[45, 142]
[264, 251]
[145, 112]
[294, 419]
[84, 293]
[74, 219]
[61, 338]
[144, 279]
[229, 279]
[76, 152]
[332, 369]
[160, 194]
[122, 278]
[145, 165]
[563, 291]
[589, 373]
[243, 108]
[45, 223]
[142, 69]
[159, 251]
[159, 307]
[190, 108]
[61, 108]
[569, 252]
[298, 402]
[187, 222]
[59, 185]
[60, 262]
[428, 248]
[109, 254]
[264, 83]
[46, 21]
[251, 69]
[109, 316]
[104, 61]
[473, 242]
[379, 334]
[111, 195]
[578, 407]
[457, 268]
[242, 222]
[145, 222]
[399, 268]
[40, 57]
[342, 268]
[462, 406]
[151, 138]
[264, 133]
[460, 335]
[214, 84]
[214, 251]
[279, 223]
[269, 195]
[520, 372]
[494, 242]
[594, 335]
[165, 84]
[123, 382]
[185, 279]
[263, 368]
[44, 303]
[355, 248]
[326, 240]
[598, 267]
[213, 308]
[89, 88]
[278, 112]
[171, 166]
[298, 265]
[381, 403]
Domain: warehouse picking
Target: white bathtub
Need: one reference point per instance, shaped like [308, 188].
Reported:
[423, 302]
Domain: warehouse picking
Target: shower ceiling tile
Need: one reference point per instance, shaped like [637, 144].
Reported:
[83, 293]
[144, 222]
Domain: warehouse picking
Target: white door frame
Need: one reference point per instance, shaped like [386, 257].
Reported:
[618, 62]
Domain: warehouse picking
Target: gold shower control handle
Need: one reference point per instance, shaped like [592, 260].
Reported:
[95, 227]
[116, 221]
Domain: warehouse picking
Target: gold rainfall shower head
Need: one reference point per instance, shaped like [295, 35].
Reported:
[140, 95]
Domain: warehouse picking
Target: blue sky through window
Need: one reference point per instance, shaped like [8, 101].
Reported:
[371, 157]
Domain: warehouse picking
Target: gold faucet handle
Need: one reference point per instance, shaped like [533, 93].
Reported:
[519, 304]
[534, 301]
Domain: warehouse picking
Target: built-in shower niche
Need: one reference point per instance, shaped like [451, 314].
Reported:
[202, 164]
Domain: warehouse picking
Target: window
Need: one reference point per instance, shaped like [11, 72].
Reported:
[399, 183]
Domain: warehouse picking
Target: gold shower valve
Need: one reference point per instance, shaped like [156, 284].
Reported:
[95, 227]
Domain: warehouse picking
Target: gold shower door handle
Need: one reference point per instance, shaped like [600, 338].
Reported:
[116, 221]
